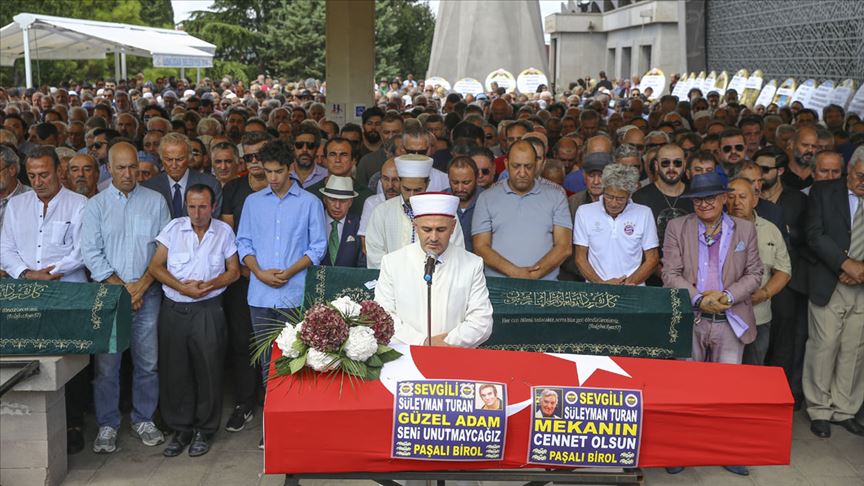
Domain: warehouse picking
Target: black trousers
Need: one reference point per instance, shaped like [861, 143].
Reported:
[789, 336]
[243, 374]
[79, 393]
[192, 340]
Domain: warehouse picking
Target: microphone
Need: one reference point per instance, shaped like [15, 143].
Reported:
[431, 260]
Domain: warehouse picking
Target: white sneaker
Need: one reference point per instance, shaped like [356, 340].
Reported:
[148, 433]
[106, 440]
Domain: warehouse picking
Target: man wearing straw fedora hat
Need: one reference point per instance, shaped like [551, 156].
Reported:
[343, 243]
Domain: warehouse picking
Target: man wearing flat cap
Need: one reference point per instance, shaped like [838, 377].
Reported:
[461, 310]
[390, 227]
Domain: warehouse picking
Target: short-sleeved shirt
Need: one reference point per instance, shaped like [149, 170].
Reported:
[234, 194]
[191, 259]
[774, 256]
[615, 245]
[521, 226]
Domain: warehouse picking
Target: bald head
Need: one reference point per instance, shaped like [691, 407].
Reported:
[598, 144]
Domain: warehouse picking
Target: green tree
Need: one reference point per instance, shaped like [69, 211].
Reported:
[121, 11]
[296, 31]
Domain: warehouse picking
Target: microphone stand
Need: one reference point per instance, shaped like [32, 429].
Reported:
[431, 260]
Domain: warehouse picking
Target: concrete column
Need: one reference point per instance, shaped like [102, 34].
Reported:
[350, 48]
[33, 422]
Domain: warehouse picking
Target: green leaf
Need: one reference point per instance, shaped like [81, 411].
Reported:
[383, 348]
[298, 363]
[300, 346]
[374, 362]
[373, 374]
[389, 356]
[355, 368]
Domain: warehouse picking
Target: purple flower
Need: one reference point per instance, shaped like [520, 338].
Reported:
[324, 329]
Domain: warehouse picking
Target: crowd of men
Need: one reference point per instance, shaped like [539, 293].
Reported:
[209, 206]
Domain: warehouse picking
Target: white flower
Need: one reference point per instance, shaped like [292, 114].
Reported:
[361, 344]
[347, 306]
[286, 340]
[321, 361]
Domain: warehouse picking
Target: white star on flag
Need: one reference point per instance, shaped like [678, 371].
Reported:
[586, 365]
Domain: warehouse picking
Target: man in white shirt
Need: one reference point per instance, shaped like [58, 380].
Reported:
[390, 227]
[461, 310]
[40, 234]
[616, 239]
[195, 259]
[389, 189]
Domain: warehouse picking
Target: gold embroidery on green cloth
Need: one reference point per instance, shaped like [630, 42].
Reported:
[21, 291]
[41, 344]
[98, 303]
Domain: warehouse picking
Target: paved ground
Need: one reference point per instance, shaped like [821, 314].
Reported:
[235, 460]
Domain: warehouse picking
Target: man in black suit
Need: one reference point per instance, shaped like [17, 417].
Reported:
[834, 357]
[343, 243]
[175, 149]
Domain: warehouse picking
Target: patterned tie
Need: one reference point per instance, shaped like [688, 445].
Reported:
[177, 202]
[856, 241]
[333, 241]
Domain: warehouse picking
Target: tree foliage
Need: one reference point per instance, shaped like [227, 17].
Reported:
[155, 13]
[285, 38]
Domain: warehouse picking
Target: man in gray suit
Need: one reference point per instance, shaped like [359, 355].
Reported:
[174, 151]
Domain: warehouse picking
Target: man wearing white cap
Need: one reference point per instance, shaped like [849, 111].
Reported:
[390, 227]
[461, 310]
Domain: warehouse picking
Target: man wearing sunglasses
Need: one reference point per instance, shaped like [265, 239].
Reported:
[340, 162]
[307, 139]
[716, 257]
[663, 196]
[732, 150]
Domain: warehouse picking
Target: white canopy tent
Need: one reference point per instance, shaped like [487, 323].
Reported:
[44, 37]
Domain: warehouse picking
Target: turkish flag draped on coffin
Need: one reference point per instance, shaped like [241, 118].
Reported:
[695, 414]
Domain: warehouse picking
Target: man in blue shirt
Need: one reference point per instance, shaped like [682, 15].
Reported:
[281, 234]
[118, 239]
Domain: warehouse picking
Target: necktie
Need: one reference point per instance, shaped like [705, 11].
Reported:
[333, 241]
[856, 240]
[177, 202]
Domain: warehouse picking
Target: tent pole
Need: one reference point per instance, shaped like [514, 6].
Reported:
[197, 76]
[123, 63]
[28, 69]
[116, 63]
[183, 73]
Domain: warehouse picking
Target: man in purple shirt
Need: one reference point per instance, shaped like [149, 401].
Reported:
[715, 256]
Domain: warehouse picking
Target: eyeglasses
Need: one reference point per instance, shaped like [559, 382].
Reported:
[615, 198]
[705, 201]
[678, 163]
[489, 136]
[196, 153]
[98, 145]
[738, 147]
[766, 169]
[416, 152]
[250, 157]
[308, 145]
[653, 145]
[485, 171]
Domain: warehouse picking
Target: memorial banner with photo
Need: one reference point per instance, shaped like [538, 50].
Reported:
[656, 80]
[857, 103]
[585, 427]
[553, 316]
[503, 78]
[820, 97]
[739, 82]
[466, 86]
[803, 92]
[766, 96]
[752, 88]
[49, 318]
[842, 94]
[436, 82]
[449, 420]
[784, 93]
[530, 79]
